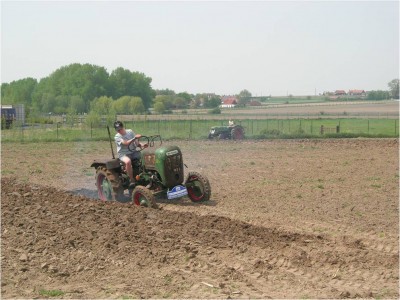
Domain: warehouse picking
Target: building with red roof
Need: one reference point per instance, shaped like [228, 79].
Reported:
[228, 101]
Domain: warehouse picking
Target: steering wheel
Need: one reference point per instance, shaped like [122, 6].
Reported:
[155, 140]
[139, 143]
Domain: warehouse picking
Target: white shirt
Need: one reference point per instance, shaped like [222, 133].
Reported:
[121, 148]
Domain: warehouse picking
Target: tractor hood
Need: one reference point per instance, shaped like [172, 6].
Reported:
[167, 161]
[151, 155]
[215, 130]
[219, 128]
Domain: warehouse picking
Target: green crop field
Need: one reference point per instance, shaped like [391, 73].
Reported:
[198, 129]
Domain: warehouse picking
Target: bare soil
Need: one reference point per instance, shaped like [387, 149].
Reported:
[351, 109]
[286, 219]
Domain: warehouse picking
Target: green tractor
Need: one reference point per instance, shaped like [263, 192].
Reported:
[234, 132]
[159, 174]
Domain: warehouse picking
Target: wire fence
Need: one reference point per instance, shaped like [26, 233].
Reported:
[199, 129]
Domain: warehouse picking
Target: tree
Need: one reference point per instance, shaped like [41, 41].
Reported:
[378, 95]
[164, 92]
[102, 105]
[394, 88]
[18, 92]
[182, 100]
[159, 107]
[200, 100]
[61, 104]
[212, 102]
[167, 101]
[86, 81]
[77, 104]
[93, 119]
[78, 83]
[136, 105]
[129, 105]
[244, 97]
[196, 102]
[127, 83]
[186, 96]
[47, 103]
[121, 105]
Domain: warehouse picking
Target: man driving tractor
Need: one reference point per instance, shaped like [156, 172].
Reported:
[123, 138]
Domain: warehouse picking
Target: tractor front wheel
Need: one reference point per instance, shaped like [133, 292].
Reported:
[198, 187]
[142, 196]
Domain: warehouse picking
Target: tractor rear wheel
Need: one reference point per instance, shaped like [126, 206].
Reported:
[109, 187]
[142, 196]
[198, 187]
[237, 133]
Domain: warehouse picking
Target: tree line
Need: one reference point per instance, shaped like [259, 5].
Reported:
[85, 88]
[78, 87]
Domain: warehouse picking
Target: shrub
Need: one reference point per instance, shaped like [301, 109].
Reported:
[271, 132]
[215, 111]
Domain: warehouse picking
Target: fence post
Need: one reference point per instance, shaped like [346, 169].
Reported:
[322, 129]
[337, 129]
[57, 130]
[190, 130]
[91, 130]
[368, 126]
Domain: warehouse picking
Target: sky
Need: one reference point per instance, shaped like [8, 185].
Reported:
[273, 48]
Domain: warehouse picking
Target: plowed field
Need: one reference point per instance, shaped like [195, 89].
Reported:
[286, 219]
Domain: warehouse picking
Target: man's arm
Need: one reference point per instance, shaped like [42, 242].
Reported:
[120, 141]
[127, 142]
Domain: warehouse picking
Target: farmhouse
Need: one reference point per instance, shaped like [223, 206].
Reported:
[357, 93]
[228, 101]
[340, 92]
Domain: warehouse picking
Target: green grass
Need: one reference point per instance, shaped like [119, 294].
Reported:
[7, 172]
[198, 129]
[167, 279]
[51, 293]
[125, 297]
[295, 100]
[378, 186]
